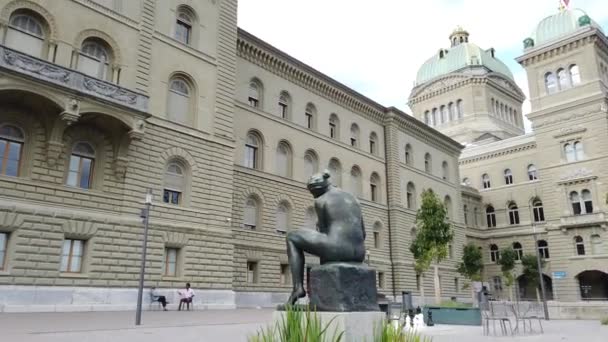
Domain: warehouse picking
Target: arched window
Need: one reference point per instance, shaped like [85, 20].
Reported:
[373, 143]
[356, 181]
[550, 83]
[183, 25]
[374, 187]
[465, 210]
[284, 159]
[311, 164]
[310, 218]
[252, 151]
[579, 245]
[447, 203]
[508, 177]
[575, 75]
[459, 109]
[532, 172]
[537, 210]
[427, 118]
[494, 253]
[335, 171]
[174, 183]
[11, 145]
[587, 201]
[354, 135]
[82, 160]
[285, 105]
[444, 114]
[282, 217]
[434, 117]
[543, 249]
[513, 213]
[334, 126]
[310, 115]
[251, 213]
[26, 33]
[408, 154]
[466, 181]
[519, 251]
[451, 111]
[178, 106]
[563, 79]
[256, 90]
[485, 180]
[410, 196]
[475, 217]
[445, 171]
[95, 59]
[490, 216]
[578, 150]
[428, 163]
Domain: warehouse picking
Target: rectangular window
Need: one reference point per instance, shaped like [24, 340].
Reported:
[253, 102]
[309, 120]
[283, 110]
[409, 200]
[376, 239]
[332, 130]
[10, 154]
[92, 67]
[374, 192]
[508, 180]
[251, 156]
[353, 142]
[418, 282]
[178, 106]
[80, 172]
[407, 158]
[285, 274]
[252, 272]
[3, 248]
[539, 214]
[450, 251]
[171, 262]
[381, 283]
[171, 196]
[456, 285]
[182, 32]
[71, 256]
[372, 147]
[24, 42]
[576, 208]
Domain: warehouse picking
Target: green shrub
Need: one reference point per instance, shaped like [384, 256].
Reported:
[604, 321]
[387, 332]
[454, 304]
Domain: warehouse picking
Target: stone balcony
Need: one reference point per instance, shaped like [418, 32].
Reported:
[594, 219]
[15, 62]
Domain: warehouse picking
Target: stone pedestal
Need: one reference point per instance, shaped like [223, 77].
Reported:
[343, 287]
[357, 326]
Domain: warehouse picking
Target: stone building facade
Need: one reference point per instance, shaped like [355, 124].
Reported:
[550, 182]
[102, 100]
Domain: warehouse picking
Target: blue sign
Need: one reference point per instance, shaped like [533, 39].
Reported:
[559, 275]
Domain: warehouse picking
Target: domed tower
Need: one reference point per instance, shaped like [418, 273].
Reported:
[467, 93]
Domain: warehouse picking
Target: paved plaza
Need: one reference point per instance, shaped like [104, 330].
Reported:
[226, 326]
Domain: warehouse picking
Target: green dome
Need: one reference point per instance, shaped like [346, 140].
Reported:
[560, 25]
[458, 57]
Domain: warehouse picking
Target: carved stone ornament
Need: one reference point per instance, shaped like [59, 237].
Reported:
[34, 66]
[175, 239]
[578, 173]
[137, 133]
[72, 112]
[10, 221]
[111, 91]
[77, 229]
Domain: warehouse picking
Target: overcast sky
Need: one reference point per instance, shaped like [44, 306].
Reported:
[376, 47]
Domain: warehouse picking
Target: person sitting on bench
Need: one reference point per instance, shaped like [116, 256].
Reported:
[186, 297]
[158, 298]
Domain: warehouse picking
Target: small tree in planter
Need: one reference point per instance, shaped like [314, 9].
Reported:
[471, 266]
[507, 264]
[434, 235]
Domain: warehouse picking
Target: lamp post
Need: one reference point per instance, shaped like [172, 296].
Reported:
[145, 214]
[540, 273]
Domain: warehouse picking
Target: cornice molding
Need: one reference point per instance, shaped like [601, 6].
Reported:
[497, 153]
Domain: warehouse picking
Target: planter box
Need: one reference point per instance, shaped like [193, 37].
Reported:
[454, 316]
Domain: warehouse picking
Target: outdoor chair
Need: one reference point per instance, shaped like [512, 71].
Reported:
[534, 313]
[154, 300]
[494, 315]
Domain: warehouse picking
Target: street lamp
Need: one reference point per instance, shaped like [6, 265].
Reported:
[540, 273]
[145, 214]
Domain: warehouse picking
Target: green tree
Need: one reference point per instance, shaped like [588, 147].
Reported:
[471, 265]
[507, 259]
[530, 268]
[434, 235]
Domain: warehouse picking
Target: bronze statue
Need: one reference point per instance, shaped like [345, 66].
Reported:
[340, 236]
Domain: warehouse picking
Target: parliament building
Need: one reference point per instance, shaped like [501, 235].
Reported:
[102, 101]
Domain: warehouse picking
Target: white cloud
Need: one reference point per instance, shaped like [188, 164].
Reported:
[376, 47]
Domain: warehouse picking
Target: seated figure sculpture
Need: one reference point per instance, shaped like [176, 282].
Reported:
[340, 236]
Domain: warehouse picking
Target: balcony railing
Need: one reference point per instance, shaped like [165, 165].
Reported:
[582, 220]
[24, 64]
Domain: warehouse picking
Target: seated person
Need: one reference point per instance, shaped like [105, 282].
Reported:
[158, 298]
[186, 297]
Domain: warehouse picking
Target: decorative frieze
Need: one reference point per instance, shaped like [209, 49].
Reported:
[77, 229]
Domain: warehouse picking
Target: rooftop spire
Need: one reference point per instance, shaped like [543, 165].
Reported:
[458, 36]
